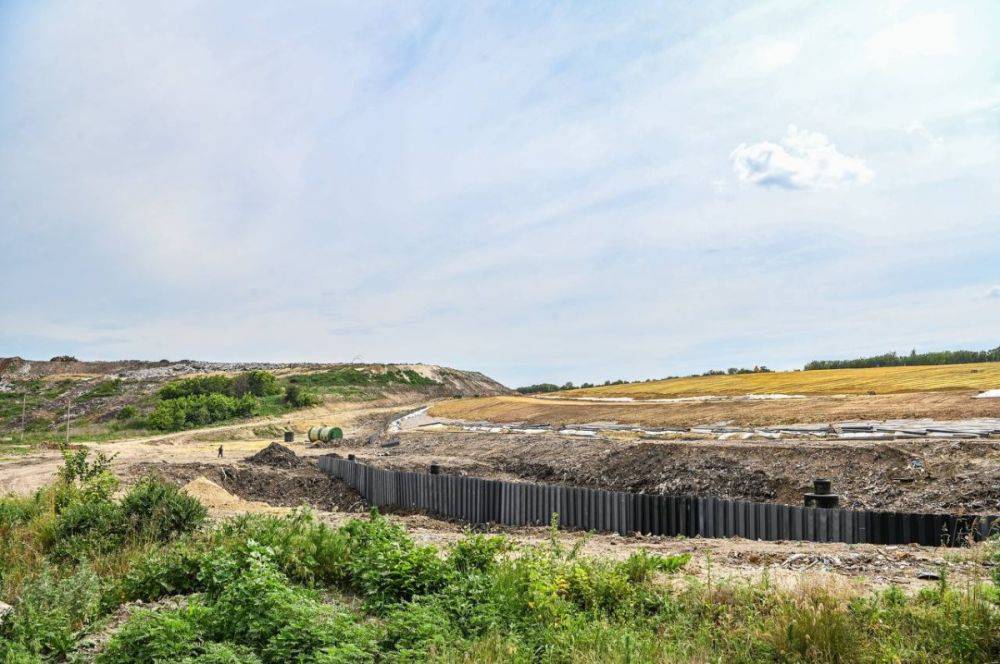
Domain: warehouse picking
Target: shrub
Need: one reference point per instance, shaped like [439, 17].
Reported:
[254, 602]
[310, 628]
[477, 553]
[170, 571]
[108, 388]
[418, 631]
[79, 476]
[258, 383]
[51, 611]
[197, 385]
[157, 510]
[87, 527]
[297, 397]
[198, 410]
[155, 637]
[223, 653]
[127, 412]
[387, 567]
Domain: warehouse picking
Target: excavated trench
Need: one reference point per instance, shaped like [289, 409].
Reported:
[912, 475]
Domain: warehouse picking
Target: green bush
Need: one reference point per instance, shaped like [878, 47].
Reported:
[223, 653]
[258, 383]
[156, 637]
[127, 412]
[197, 386]
[318, 632]
[88, 527]
[296, 397]
[15, 511]
[50, 612]
[157, 510]
[108, 388]
[179, 413]
[387, 567]
[170, 571]
[418, 631]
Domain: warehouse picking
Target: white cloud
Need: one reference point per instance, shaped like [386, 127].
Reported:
[923, 34]
[803, 160]
[772, 54]
[917, 128]
[994, 292]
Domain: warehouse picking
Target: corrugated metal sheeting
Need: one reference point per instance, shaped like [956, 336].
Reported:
[482, 501]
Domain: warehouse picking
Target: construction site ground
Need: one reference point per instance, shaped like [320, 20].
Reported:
[956, 475]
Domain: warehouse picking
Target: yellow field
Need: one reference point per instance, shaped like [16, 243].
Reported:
[882, 380]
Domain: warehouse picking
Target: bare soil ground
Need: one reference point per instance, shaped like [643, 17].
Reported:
[955, 405]
[918, 475]
[956, 474]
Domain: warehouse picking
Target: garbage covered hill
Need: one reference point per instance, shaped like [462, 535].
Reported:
[105, 399]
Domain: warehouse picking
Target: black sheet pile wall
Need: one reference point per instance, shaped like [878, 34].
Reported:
[481, 501]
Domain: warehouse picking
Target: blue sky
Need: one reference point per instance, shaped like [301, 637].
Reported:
[545, 191]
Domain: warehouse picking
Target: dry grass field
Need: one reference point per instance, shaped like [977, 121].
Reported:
[950, 405]
[940, 392]
[881, 380]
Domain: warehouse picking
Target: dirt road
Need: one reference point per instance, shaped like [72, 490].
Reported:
[33, 470]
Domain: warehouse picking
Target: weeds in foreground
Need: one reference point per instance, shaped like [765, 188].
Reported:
[262, 589]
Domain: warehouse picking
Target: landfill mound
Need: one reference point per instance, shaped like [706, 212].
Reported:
[255, 483]
[277, 455]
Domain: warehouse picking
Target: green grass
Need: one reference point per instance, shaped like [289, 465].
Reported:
[107, 388]
[350, 377]
[261, 588]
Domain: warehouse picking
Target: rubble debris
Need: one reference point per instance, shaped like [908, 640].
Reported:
[276, 455]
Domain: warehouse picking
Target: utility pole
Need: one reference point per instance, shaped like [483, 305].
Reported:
[68, 401]
[24, 406]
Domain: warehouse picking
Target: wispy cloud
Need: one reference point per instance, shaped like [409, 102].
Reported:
[544, 192]
[802, 160]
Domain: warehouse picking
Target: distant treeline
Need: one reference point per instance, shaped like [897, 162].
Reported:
[913, 359]
[552, 387]
[540, 388]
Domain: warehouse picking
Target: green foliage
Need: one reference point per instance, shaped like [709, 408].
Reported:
[108, 388]
[913, 359]
[51, 611]
[417, 631]
[361, 377]
[88, 527]
[197, 386]
[265, 589]
[296, 397]
[541, 388]
[89, 479]
[223, 653]
[156, 637]
[170, 571]
[196, 410]
[127, 412]
[258, 383]
[386, 566]
[94, 524]
[160, 511]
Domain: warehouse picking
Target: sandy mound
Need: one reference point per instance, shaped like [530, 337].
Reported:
[213, 496]
[277, 455]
